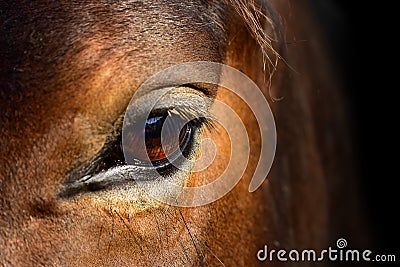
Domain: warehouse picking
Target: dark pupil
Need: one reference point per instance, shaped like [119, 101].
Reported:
[155, 151]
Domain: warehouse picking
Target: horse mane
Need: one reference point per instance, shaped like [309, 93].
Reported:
[312, 90]
[264, 25]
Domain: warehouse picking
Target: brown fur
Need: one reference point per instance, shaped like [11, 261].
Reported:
[69, 70]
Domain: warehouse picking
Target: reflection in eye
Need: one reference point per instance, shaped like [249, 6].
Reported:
[156, 151]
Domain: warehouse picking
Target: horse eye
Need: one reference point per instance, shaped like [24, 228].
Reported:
[168, 134]
[156, 150]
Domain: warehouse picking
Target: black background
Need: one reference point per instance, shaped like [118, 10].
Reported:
[359, 49]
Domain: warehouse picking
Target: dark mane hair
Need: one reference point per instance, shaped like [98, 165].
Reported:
[265, 27]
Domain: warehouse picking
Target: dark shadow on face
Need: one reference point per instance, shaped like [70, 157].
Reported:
[347, 27]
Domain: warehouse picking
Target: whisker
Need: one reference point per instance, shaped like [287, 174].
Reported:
[158, 231]
[111, 236]
[185, 252]
[208, 248]
[131, 232]
[98, 240]
[188, 258]
[192, 238]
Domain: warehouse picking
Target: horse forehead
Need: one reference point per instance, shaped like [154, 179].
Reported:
[71, 47]
[68, 22]
[42, 36]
